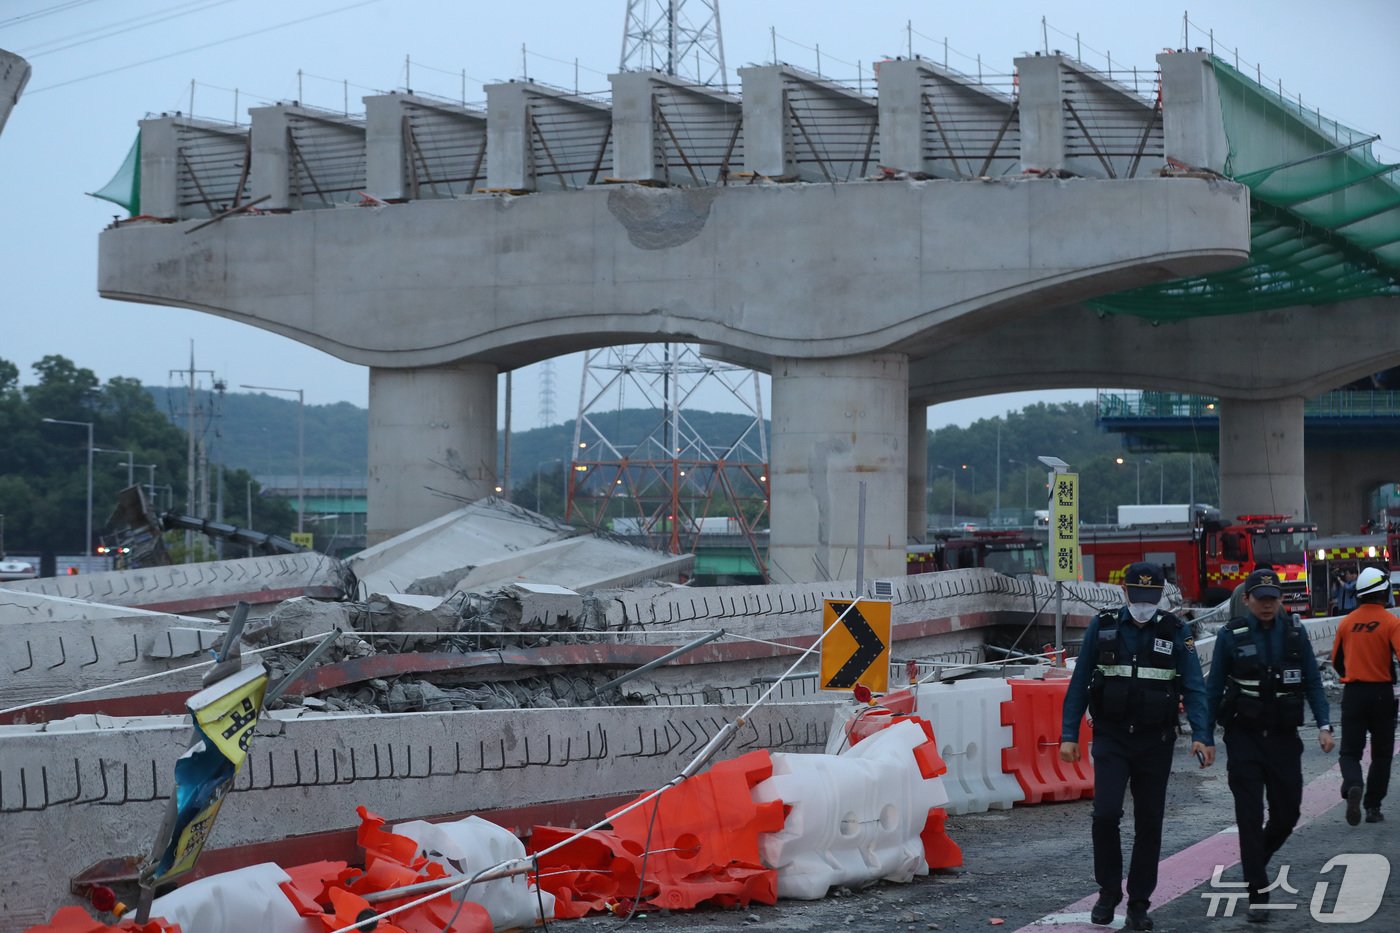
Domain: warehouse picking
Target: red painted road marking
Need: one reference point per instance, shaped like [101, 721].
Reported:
[1193, 866]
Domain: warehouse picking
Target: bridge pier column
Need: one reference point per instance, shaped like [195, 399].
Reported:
[918, 484]
[837, 422]
[431, 431]
[1340, 483]
[1261, 457]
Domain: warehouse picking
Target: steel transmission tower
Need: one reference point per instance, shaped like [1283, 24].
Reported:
[661, 35]
[660, 479]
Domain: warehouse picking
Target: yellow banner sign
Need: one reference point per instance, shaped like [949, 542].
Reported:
[304, 539]
[225, 714]
[858, 650]
[1064, 527]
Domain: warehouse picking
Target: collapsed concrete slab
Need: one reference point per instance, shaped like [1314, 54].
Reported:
[75, 794]
[204, 588]
[491, 542]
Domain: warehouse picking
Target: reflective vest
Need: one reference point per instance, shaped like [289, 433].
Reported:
[1140, 689]
[1265, 696]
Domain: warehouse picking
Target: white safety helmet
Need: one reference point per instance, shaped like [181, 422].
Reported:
[1371, 582]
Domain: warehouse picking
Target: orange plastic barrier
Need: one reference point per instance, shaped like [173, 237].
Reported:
[939, 850]
[703, 846]
[580, 875]
[77, 920]
[1033, 713]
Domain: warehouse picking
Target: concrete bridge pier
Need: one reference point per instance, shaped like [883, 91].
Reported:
[432, 432]
[838, 422]
[1340, 483]
[1261, 457]
[918, 485]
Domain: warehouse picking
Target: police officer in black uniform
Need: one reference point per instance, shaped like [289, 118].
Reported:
[1262, 674]
[1136, 665]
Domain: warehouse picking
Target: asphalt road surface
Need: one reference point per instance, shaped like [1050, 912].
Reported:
[1032, 866]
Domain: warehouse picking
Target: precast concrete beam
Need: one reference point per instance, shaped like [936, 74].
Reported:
[1079, 120]
[511, 281]
[420, 148]
[540, 138]
[14, 75]
[799, 126]
[1340, 484]
[1259, 355]
[669, 131]
[839, 423]
[938, 122]
[432, 444]
[192, 169]
[1261, 457]
[1192, 122]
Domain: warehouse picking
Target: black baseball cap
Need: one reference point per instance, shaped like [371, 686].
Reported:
[1144, 582]
[1263, 584]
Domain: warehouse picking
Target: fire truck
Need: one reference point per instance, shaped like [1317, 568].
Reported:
[1012, 552]
[1330, 558]
[1207, 557]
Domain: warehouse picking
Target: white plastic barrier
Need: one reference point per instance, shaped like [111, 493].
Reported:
[235, 902]
[467, 846]
[966, 718]
[856, 818]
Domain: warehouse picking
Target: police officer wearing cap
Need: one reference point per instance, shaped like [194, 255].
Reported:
[1262, 674]
[1136, 666]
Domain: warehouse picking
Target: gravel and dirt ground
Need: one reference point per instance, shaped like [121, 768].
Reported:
[1030, 863]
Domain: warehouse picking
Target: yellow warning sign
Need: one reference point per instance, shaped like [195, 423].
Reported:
[858, 650]
[1064, 527]
[304, 539]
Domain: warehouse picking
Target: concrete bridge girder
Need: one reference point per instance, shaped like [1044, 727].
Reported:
[1257, 356]
[782, 277]
[747, 267]
[515, 280]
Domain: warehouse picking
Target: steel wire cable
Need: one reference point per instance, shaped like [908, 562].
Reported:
[138, 22]
[199, 48]
[38, 14]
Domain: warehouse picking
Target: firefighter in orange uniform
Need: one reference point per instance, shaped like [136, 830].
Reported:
[1367, 642]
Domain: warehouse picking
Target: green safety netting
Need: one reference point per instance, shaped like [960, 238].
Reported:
[125, 187]
[1325, 214]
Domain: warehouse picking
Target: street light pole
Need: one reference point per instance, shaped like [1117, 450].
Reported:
[130, 466]
[953, 508]
[151, 478]
[539, 471]
[87, 545]
[301, 450]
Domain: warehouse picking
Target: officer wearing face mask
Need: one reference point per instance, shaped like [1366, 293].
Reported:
[1263, 676]
[1137, 665]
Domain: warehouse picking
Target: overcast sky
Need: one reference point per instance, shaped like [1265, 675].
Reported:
[102, 65]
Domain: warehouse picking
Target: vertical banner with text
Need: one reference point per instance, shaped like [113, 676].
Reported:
[1064, 526]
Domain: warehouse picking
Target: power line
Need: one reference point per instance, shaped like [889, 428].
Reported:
[26, 17]
[200, 48]
[135, 22]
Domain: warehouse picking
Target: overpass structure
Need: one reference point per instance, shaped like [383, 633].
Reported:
[874, 255]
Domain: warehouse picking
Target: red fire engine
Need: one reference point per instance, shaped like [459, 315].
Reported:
[1208, 558]
[1011, 552]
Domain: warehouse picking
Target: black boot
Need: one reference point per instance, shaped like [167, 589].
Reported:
[1136, 918]
[1373, 815]
[1102, 914]
[1257, 914]
[1354, 806]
